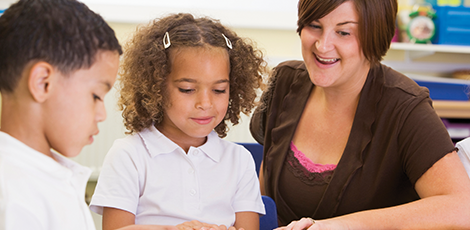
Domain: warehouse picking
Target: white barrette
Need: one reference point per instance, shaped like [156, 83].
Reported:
[166, 40]
[229, 43]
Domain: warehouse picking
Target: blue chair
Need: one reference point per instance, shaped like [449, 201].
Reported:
[268, 221]
[257, 153]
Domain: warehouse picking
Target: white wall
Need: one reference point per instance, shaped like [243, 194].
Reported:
[275, 14]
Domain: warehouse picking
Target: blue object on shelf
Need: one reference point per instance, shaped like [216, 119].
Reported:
[452, 24]
[444, 88]
[446, 91]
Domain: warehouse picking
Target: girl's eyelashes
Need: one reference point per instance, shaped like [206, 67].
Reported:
[96, 97]
[220, 91]
[217, 91]
[185, 90]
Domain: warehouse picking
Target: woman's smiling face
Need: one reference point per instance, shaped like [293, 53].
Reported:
[331, 49]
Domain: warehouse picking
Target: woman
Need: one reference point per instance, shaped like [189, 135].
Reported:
[350, 142]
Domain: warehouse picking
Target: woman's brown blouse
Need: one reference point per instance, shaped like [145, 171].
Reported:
[395, 138]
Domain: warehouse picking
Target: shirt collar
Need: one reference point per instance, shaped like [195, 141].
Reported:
[156, 143]
[61, 168]
[213, 146]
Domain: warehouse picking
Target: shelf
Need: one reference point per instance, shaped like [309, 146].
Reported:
[452, 109]
[413, 52]
[430, 48]
[445, 109]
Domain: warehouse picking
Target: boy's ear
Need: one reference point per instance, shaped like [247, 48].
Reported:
[40, 78]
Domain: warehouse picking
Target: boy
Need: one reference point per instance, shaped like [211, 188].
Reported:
[58, 59]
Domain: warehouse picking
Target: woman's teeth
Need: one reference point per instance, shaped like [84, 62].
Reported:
[331, 60]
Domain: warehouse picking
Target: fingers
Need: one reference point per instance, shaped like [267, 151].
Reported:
[183, 227]
[213, 227]
[288, 227]
[196, 225]
[309, 221]
[301, 224]
[223, 227]
[166, 228]
[190, 225]
[233, 228]
[149, 227]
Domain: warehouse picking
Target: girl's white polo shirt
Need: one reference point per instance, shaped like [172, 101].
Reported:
[152, 177]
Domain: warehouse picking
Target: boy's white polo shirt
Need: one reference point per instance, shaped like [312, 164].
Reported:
[37, 192]
[152, 177]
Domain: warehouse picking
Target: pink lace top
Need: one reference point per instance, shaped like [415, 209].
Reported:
[303, 183]
[309, 164]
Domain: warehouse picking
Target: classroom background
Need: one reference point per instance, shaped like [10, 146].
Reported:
[441, 65]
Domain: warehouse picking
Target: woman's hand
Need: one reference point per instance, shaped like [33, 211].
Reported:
[304, 223]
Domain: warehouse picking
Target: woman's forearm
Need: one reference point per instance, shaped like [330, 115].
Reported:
[445, 203]
[437, 212]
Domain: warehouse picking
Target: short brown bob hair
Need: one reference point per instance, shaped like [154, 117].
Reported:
[146, 65]
[376, 22]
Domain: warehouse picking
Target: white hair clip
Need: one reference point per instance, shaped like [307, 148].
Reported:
[229, 43]
[166, 40]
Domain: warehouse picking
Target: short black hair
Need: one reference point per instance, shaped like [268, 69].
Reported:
[63, 33]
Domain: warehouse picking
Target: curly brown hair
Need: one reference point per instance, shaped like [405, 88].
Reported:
[146, 66]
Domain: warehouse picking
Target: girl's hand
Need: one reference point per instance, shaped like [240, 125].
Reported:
[148, 227]
[304, 223]
[196, 225]
[233, 228]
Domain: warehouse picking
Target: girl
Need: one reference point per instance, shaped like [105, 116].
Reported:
[182, 80]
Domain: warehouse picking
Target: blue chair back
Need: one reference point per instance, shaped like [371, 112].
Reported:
[257, 153]
[268, 221]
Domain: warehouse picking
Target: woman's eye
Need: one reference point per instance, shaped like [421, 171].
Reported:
[315, 26]
[342, 33]
[185, 90]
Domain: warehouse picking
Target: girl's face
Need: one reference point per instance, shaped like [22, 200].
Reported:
[198, 92]
[331, 49]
